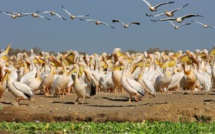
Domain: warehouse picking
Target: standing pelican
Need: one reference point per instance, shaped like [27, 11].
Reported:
[20, 90]
[132, 87]
[167, 13]
[97, 22]
[154, 8]
[73, 16]
[178, 19]
[177, 26]
[126, 25]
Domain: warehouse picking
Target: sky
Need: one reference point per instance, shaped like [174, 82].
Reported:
[59, 35]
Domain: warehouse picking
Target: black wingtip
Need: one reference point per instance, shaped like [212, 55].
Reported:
[149, 15]
[112, 27]
[82, 19]
[115, 21]
[37, 11]
[48, 19]
[64, 18]
[171, 2]
[62, 6]
[153, 20]
[185, 5]
[87, 15]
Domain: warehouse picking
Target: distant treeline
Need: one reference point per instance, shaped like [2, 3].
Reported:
[15, 51]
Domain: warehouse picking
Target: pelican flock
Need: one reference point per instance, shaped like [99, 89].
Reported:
[136, 75]
[169, 13]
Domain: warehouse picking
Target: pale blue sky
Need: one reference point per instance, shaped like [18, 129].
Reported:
[58, 35]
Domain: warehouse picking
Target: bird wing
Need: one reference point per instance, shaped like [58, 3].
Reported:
[149, 84]
[191, 15]
[107, 25]
[90, 20]
[163, 3]
[23, 88]
[174, 10]
[210, 26]
[81, 16]
[59, 16]
[118, 21]
[42, 17]
[46, 12]
[160, 14]
[172, 23]
[134, 22]
[135, 85]
[184, 24]
[199, 23]
[176, 78]
[147, 2]
[66, 10]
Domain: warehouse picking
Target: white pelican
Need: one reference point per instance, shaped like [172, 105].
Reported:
[126, 25]
[204, 25]
[2, 84]
[35, 15]
[154, 8]
[189, 79]
[52, 13]
[163, 80]
[179, 19]
[20, 90]
[97, 22]
[81, 88]
[177, 26]
[13, 15]
[73, 16]
[168, 13]
[132, 87]
[5, 52]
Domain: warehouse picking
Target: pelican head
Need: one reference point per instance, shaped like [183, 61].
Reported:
[52, 13]
[72, 17]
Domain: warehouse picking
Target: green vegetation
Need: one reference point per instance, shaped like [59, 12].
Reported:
[109, 127]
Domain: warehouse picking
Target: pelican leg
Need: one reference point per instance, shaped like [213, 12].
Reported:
[136, 97]
[76, 101]
[130, 98]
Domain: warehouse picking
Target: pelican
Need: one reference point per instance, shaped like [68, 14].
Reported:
[35, 15]
[132, 87]
[179, 19]
[83, 89]
[168, 13]
[13, 16]
[126, 25]
[162, 81]
[97, 22]
[177, 26]
[154, 8]
[53, 13]
[204, 25]
[20, 90]
[73, 16]
[2, 84]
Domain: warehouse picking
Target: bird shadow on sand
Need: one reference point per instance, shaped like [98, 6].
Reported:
[111, 106]
[123, 99]
[5, 103]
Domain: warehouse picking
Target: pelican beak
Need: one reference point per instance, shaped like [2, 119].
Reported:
[5, 77]
[7, 49]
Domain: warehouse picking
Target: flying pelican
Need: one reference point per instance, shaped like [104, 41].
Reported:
[20, 90]
[13, 16]
[97, 22]
[53, 13]
[73, 16]
[168, 13]
[204, 25]
[35, 15]
[154, 8]
[126, 25]
[177, 26]
[178, 19]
